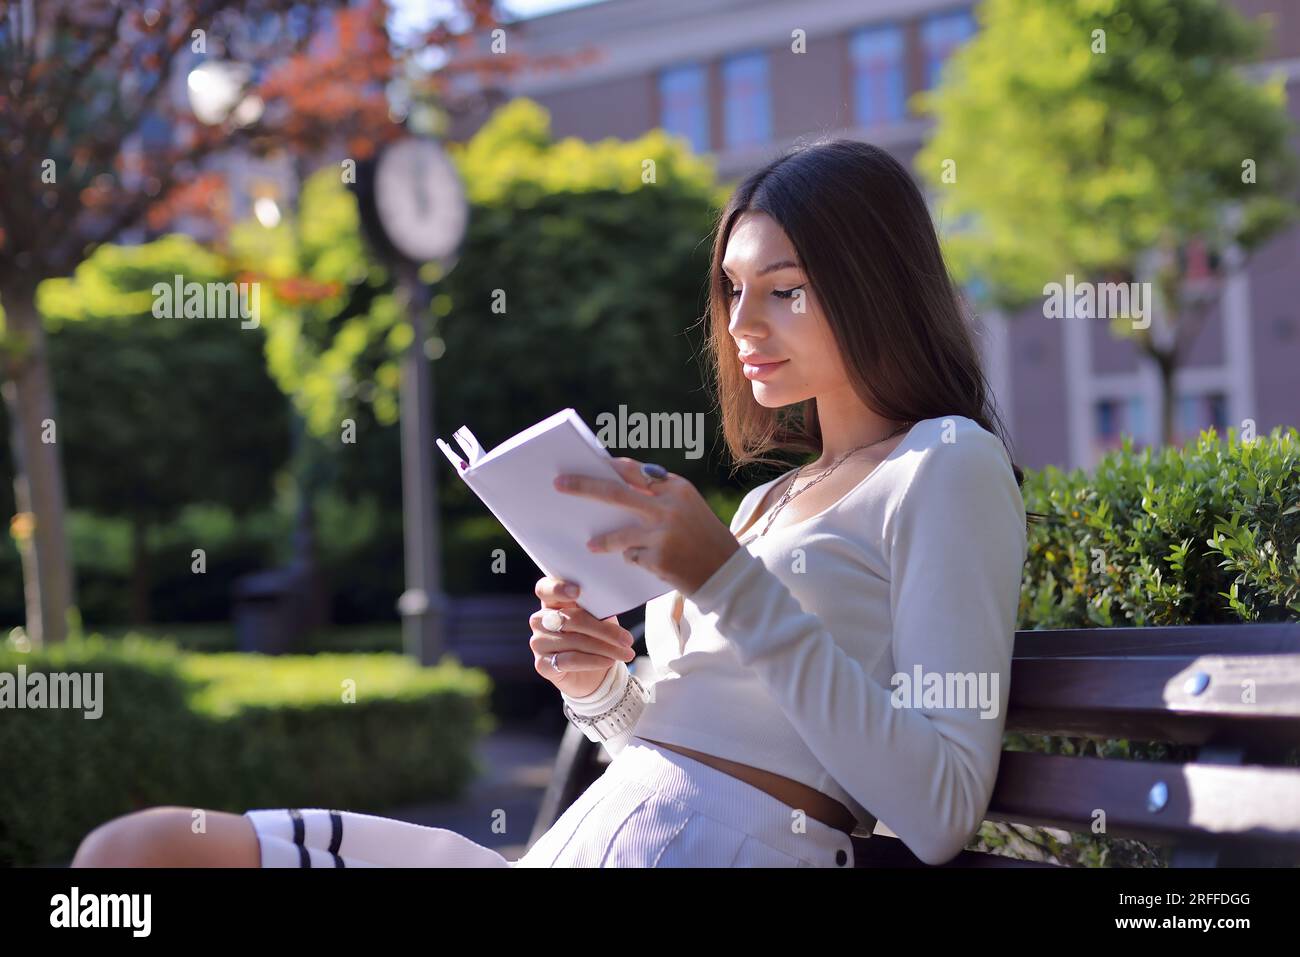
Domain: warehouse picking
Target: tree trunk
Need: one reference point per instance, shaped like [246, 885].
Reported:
[38, 470]
[314, 611]
[306, 469]
[1167, 365]
[139, 571]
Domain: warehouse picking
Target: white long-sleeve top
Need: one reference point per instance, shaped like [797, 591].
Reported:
[864, 651]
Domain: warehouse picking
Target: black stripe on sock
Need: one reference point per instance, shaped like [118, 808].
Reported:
[300, 837]
[336, 836]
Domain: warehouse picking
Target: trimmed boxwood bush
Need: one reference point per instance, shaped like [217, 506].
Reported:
[230, 732]
[1206, 534]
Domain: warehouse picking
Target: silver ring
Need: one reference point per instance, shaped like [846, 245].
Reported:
[552, 620]
[554, 666]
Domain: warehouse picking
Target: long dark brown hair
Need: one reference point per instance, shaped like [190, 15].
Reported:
[864, 237]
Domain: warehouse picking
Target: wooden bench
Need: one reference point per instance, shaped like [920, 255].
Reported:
[491, 632]
[1231, 693]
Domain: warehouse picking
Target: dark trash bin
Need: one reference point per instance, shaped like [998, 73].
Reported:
[267, 611]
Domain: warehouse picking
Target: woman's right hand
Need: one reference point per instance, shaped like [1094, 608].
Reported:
[585, 647]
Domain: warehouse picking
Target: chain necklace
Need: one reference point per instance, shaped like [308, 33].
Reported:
[787, 497]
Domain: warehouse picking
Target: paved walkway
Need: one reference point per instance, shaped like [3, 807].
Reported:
[518, 760]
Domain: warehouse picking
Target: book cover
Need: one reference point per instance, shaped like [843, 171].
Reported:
[514, 480]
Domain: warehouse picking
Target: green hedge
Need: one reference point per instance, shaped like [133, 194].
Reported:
[1209, 533]
[218, 636]
[1205, 534]
[230, 732]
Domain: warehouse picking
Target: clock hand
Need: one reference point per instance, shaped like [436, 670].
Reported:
[421, 193]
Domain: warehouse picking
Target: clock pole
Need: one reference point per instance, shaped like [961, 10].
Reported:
[422, 605]
[413, 210]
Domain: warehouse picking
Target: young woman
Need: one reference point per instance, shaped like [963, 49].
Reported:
[840, 654]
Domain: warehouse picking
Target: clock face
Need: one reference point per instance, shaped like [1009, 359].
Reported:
[420, 201]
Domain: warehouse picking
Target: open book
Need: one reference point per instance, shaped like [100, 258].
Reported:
[515, 481]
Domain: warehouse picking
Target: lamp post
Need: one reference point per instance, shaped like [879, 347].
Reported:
[218, 97]
[413, 211]
[422, 605]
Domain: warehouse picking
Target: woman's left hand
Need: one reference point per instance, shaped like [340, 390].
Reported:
[678, 538]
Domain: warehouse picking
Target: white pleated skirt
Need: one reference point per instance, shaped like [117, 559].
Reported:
[652, 807]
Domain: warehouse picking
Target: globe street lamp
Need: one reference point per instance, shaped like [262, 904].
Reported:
[216, 94]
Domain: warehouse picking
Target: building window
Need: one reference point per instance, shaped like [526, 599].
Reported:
[747, 105]
[946, 227]
[1195, 413]
[1116, 417]
[684, 104]
[878, 87]
[941, 34]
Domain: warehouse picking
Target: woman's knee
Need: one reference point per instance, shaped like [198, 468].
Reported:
[171, 837]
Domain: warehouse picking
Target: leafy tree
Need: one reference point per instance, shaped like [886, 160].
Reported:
[158, 413]
[579, 284]
[1088, 135]
[98, 142]
[334, 330]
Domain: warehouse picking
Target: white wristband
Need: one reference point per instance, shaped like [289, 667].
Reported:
[600, 700]
[614, 723]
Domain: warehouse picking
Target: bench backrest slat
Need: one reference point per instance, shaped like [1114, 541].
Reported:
[1238, 803]
[1252, 699]
[1238, 639]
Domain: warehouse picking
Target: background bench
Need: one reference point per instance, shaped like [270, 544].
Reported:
[1235, 801]
[491, 632]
